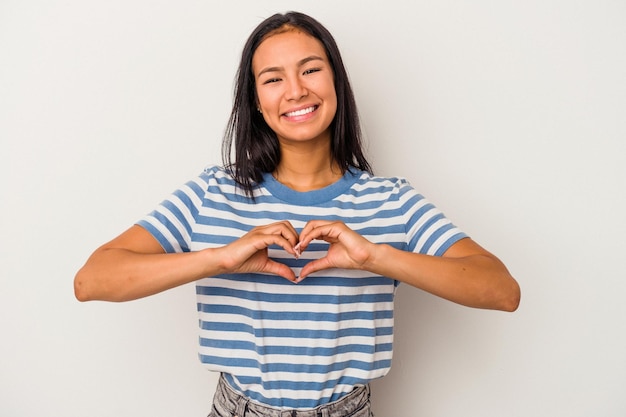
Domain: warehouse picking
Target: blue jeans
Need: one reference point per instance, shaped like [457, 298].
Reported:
[228, 403]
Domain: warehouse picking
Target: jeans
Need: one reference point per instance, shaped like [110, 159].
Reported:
[228, 403]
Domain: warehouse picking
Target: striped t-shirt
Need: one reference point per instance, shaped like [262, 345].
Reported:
[298, 345]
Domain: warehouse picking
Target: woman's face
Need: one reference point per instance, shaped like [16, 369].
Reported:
[295, 87]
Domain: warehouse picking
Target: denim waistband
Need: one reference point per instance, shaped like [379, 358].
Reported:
[229, 403]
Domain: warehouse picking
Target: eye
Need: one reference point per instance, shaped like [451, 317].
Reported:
[271, 80]
[311, 71]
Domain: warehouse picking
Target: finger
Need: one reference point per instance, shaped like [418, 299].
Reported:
[312, 224]
[311, 231]
[239, 252]
[283, 226]
[321, 230]
[314, 266]
[287, 231]
[288, 244]
[298, 250]
[275, 268]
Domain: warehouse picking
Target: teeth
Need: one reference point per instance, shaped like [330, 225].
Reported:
[300, 112]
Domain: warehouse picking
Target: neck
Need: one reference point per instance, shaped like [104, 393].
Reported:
[307, 170]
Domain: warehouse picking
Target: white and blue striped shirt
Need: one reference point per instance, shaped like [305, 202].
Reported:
[298, 346]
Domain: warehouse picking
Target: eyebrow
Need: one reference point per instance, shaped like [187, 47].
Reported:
[300, 63]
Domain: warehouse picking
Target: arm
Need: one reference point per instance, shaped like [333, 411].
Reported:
[466, 274]
[134, 265]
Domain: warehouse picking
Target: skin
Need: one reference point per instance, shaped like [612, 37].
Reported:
[292, 73]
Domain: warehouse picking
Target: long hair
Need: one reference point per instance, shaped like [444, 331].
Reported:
[256, 148]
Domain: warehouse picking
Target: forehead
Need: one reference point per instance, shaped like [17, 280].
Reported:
[284, 47]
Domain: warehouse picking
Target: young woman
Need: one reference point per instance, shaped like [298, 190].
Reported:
[295, 246]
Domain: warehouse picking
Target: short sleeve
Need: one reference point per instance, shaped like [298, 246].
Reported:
[428, 230]
[173, 221]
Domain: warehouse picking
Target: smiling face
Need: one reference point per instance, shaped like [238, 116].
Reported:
[295, 87]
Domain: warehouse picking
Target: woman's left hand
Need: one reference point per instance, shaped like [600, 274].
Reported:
[347, 250]
[466, 273]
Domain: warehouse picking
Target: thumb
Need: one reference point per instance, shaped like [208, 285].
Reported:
[314, 266]
[282, 270]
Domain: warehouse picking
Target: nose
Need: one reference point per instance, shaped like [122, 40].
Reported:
[296, 89]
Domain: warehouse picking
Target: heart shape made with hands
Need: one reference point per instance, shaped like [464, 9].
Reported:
[297, 253]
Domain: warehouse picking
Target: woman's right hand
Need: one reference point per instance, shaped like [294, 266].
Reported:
[249, 254]
[134, 265]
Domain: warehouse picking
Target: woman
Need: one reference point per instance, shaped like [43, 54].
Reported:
[298, 205]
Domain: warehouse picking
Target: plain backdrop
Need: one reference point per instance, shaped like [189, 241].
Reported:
[508, 115]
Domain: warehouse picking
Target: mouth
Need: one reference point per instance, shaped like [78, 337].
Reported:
[301, 112]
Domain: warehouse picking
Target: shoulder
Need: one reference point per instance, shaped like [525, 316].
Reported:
[215, 175]
[366, 177]
[216, 172]
[211, 180]
[369, 183]
[219, 181]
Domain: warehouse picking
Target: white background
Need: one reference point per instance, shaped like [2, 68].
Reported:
[510, 116]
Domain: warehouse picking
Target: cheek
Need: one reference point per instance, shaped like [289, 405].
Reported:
[332, 92]
[259, 98]
[266, 99]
